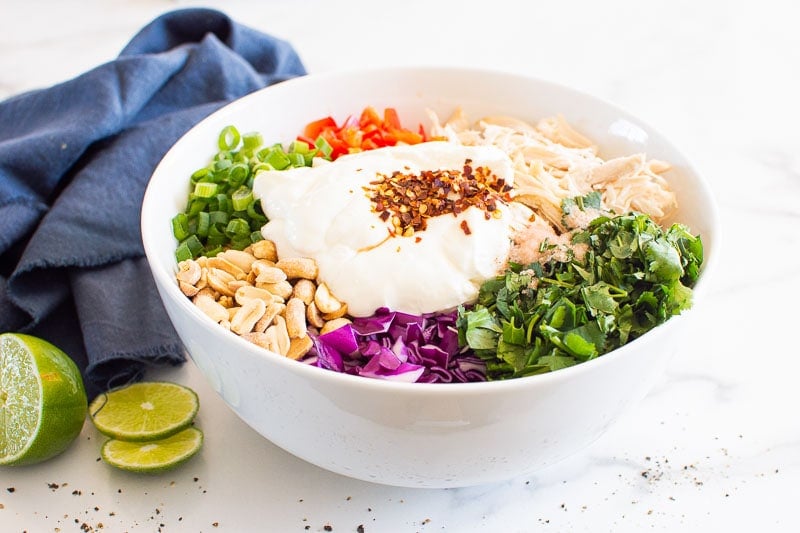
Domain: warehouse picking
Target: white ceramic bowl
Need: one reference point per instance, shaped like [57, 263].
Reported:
[418, 435]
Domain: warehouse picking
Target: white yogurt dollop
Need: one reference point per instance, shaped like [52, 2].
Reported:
[323, 212]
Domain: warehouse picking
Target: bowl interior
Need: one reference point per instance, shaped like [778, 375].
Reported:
[279, 112]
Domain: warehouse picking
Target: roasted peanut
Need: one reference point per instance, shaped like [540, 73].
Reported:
[266, 339]
[336, 314]
[222, 264]
[211, 308]
[298, 267]
[299, 347]
[264, 249]
[281, 335]
[282, 288]
[333, 325]
[208, 291]
[248, 291]
[313, 316]
[237, 284]
[219, 279]
[248, 314]
[259, 338]
[189, 272]
[268, 274]
[272, 311]
[272, 338]
[304, 289]
[325, 301]
[188, 289]
[295, 318]
[241, 259]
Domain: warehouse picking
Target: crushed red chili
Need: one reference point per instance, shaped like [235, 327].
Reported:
[407, 200]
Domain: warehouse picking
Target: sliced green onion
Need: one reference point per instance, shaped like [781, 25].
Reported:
[300, 147]
[194, 245]
[180, 226]
[237, 227]
[214, 251]
[200, 174]
[203, 222]
[216, 236]
[183, 253]
[229, 138]
[255, 212]
[238, 175]
[277, 158]
[242, 198]
[223, 165]
[221, 211]
[218, 217]
[296, 160]
[261, 167]
[204, 189]
[224, 203]
[252, 140]
[195, 206]
[240, 243]
[324, 147]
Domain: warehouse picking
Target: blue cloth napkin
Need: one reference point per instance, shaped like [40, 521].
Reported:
[74, 162]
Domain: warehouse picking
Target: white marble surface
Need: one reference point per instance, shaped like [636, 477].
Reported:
[714, 447]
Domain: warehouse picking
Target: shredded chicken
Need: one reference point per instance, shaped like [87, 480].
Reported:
[553, 162]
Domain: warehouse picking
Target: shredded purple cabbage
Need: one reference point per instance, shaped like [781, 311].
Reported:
[399, 347]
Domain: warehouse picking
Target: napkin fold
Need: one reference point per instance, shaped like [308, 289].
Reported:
[74, 163]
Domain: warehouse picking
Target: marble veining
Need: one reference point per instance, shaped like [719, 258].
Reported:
[715, 446]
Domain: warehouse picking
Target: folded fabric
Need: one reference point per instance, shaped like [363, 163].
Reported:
[74, 162]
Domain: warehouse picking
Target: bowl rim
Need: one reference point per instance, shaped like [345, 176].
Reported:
[317, 373]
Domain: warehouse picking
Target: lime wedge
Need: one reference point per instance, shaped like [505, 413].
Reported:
[144, 411]
[155, 455]
[42, 400]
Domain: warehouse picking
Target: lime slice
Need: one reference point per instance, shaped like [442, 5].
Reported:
[144, 411]
[155, 455]
[42, 400]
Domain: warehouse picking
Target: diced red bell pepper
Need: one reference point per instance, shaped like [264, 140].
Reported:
[314, 129]
[368, 132]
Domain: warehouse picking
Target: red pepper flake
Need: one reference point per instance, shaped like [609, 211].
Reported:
[407, 200]
[327, 527]
[11, 489]
[465, 227]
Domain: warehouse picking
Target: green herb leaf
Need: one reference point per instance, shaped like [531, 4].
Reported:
[634, 277]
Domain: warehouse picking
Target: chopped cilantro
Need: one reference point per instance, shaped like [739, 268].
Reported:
[539, 318]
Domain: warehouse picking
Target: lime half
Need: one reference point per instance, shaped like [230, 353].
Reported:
[42, 400]
[144, 411]
[153, 456]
